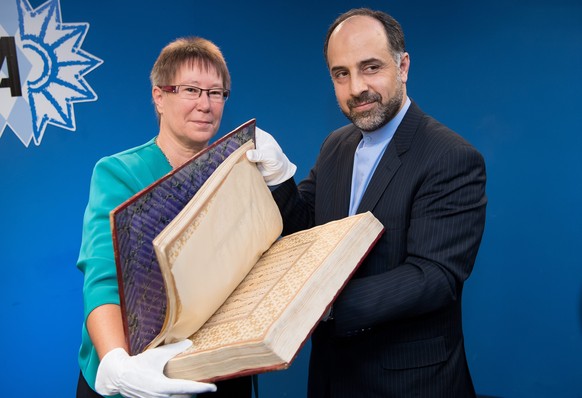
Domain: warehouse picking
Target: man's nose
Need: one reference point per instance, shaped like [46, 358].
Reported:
[357, 85]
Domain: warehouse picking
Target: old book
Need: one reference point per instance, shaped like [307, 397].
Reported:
[262, 294]
[247, 298]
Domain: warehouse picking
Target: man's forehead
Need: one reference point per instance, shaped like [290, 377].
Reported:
[358, 31]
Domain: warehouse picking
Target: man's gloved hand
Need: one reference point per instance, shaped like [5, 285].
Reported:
[270, 159]
[142, 375]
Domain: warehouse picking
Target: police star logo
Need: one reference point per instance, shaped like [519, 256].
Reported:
[42, 69]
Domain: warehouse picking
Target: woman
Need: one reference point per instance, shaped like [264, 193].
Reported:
[190, 84]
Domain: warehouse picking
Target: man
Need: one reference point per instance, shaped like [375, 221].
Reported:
[396, 328]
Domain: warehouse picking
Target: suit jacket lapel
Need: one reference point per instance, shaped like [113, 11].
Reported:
[386, 169]
[390, 161]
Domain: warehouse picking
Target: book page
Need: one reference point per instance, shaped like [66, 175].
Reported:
[213, 243]
[280, 278]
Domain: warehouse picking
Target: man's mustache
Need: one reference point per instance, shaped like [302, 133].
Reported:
[363, 98]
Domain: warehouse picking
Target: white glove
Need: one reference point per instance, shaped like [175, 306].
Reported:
[270, 159]
[142, 375]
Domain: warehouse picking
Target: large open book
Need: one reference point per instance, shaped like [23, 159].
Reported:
[225, 279]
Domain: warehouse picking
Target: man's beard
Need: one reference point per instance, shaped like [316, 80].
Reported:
[377, 117]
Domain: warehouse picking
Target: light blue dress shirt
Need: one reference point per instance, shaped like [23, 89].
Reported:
[368, 155]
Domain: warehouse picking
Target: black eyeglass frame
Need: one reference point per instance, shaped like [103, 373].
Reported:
[174, 89]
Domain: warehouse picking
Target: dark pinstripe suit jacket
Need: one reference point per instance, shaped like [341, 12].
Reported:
[397, 329]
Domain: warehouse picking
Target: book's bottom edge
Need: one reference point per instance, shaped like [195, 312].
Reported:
[182, 369]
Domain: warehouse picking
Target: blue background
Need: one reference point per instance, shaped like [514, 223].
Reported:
[504, 74]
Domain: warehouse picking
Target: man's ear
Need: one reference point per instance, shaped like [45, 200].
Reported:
[404, 66]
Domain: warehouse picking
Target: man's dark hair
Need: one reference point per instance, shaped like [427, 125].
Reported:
[393, 29]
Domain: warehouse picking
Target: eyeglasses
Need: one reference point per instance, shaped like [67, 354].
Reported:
[188, 92]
